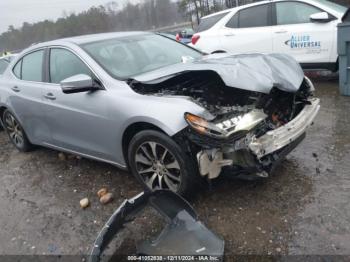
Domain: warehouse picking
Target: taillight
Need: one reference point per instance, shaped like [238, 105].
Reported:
[178, 38]
[195, 39]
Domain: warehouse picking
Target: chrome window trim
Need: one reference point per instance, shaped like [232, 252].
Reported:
[21, 58]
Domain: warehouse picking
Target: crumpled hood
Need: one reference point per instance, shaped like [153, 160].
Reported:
[252, 72]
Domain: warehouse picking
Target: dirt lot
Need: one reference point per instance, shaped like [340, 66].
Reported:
[303, 208]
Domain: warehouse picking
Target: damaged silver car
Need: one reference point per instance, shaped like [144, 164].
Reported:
[162, 109]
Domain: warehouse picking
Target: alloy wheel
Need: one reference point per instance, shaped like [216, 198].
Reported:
[14, 130]
[157, 166]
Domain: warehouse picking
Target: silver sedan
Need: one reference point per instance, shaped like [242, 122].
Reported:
[165, 111]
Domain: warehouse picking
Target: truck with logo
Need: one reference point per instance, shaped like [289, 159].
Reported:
[303, 29]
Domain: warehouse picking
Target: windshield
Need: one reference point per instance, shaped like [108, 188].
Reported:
[336, 7]
[130, 56]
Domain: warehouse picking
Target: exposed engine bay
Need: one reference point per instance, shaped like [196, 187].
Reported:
[241, 120]
[208, 90]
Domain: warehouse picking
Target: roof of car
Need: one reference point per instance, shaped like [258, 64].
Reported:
[90, 38]
[237, 8]
[257, 3]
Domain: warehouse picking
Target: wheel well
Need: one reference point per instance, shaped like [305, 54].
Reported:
[2, 110]
[336, 66]
[132, 130]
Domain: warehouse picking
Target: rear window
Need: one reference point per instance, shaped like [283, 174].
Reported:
[32, 66]
[209, 22]
[3, 66]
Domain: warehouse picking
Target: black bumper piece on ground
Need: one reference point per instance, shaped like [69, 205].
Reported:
[183, 234]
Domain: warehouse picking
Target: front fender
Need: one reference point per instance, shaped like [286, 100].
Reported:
[167, 113]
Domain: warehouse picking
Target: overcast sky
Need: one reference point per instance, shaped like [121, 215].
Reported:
[15, 12]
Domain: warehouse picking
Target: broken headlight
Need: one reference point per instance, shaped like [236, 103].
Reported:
[227, 127]
[203, 126]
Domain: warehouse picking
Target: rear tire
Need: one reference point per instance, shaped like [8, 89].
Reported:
[16, 132]
[158, 162]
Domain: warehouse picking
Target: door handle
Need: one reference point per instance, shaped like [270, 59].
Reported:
[16, 89]
[229, 34]
[50, 96]
[281, 32]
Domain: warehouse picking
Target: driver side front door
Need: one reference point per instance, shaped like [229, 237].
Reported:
[78, 122]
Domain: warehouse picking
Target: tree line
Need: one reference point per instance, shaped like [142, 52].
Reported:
[195, 9]
[147, 15]
[111, 17]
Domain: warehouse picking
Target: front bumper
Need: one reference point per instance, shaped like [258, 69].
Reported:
[183, 235]
[281, 137]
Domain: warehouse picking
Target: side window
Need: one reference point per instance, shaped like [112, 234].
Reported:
[233, 23]
[64, 64]
[256, 16]
[17, 69]
[32, 66]
[294, 13]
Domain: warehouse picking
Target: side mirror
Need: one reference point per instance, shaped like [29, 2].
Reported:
[322, 17]
[77, 84]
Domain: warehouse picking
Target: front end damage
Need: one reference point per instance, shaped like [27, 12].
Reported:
[248, 130]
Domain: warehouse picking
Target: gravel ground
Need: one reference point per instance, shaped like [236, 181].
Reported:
[302, 209]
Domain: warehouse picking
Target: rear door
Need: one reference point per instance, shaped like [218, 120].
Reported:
[248, 31]
[27, 89]
[207, 36]
[296, 35]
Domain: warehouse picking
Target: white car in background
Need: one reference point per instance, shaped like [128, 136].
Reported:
[4, 62]
[304, 29]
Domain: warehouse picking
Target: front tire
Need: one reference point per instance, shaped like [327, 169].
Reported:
[158, 162]
[16, 132]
